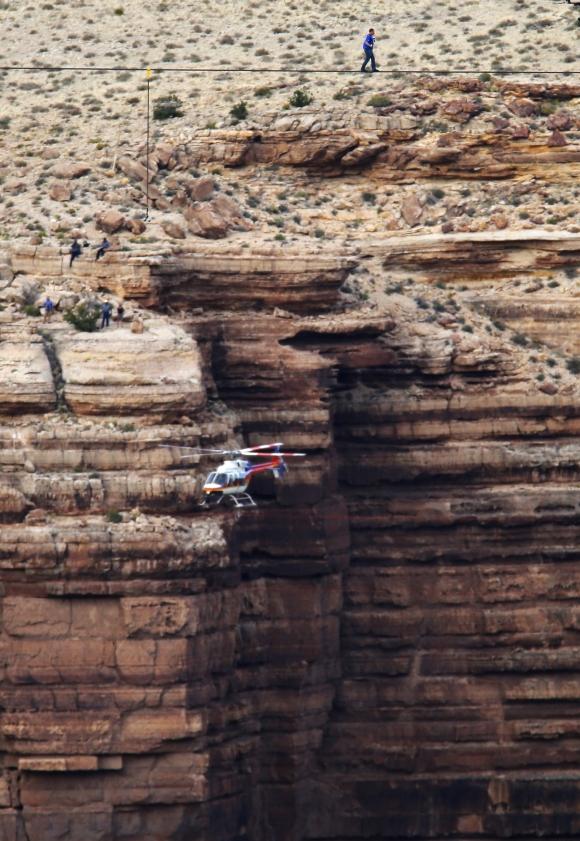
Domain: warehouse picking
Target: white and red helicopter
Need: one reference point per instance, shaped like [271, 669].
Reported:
[229, 482]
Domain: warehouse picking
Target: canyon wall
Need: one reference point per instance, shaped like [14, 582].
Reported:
[386, 646]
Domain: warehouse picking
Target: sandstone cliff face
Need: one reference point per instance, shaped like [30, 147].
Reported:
[386, 646]
[305, 281]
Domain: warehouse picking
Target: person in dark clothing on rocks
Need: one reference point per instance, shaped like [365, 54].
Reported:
[120, 313]
[369, 51]
[103, 248]
[75, 251]
[48, 307]
[106, 311]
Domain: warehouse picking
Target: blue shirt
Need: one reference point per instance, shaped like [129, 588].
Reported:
[369, 42]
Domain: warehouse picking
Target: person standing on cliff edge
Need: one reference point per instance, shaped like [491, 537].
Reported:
[369, 51]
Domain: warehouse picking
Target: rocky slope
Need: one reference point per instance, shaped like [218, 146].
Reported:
[386, 646]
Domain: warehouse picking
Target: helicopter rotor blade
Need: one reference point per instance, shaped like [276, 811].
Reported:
[262, 447]
[198, 450]
[271, 455]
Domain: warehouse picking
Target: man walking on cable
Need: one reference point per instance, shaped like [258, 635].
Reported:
[369, 48]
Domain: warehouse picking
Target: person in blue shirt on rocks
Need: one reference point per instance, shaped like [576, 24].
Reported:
[106, 311]
[369, 47]
[103, 248]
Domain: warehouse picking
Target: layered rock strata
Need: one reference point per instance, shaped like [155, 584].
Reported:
[387, 646]
[200, 276]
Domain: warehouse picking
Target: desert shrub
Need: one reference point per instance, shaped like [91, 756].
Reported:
[263, 92]
[379, 100]
[239, 111]
[167, 107]
[83, 317]
[394, 288]
[31, 309]
[114, 517]
[573, 364]
[300, 99]
[369, 198]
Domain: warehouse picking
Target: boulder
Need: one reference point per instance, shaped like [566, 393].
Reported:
[13, 185]
[199, 189]
[110, 221]
[500, 221]
[227, 207]
[158, 199]
[520, 132]
[213, 219]
[523, 107]
[163, 154]
[557, 139]
[137, 325]
[424, 107]
[173, 230]
[133, 169]
[462, 110]
[136, 226]
[180, 199]
[204, 221]
[500, 123]
[60, 191]
[561, 120]
[411, 210]
[70, 169]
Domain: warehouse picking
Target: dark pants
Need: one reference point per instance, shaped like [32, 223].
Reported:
[73, 257]
[101, 253]
[105, 319]
[370, 56]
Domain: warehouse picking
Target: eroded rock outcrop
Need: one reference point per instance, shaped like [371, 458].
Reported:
[304, 281]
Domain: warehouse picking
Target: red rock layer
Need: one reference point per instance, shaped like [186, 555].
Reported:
[454, 709]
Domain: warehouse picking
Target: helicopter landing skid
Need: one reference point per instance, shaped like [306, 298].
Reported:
[241, 500]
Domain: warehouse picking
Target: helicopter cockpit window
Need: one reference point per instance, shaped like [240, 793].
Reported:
[217, 478]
